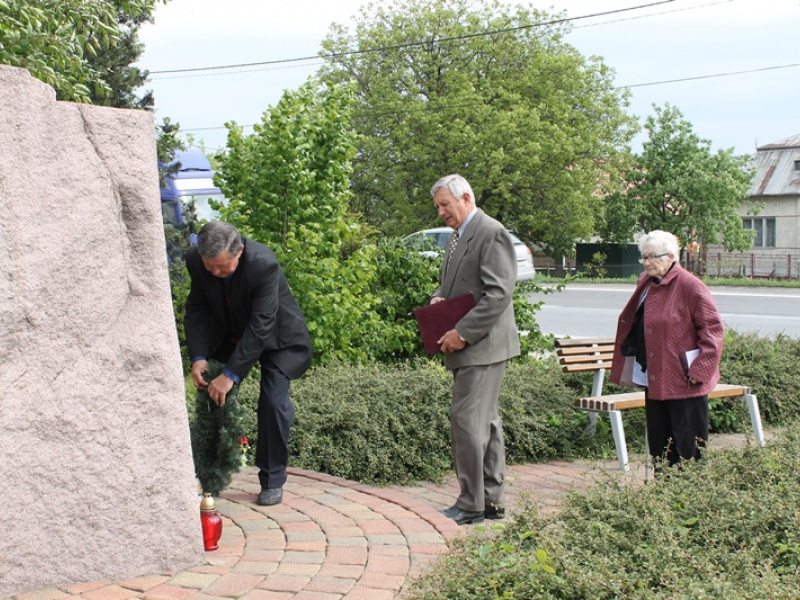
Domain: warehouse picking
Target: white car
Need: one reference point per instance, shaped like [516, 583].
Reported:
[440, 235]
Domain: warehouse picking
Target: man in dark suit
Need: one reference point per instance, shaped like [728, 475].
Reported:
[479, 259]
[240, 311]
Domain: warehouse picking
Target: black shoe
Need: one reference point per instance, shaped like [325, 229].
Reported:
[494, 512]
[270, 496]
[463, 517]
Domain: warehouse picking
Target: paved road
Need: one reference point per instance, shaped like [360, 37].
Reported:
[591, 310]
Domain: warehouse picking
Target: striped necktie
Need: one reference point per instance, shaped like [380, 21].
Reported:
[451, 247]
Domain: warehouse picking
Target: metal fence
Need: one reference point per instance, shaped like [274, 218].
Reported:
[749, 265]
[744, 264]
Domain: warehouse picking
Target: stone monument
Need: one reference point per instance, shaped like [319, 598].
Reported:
[96, 469]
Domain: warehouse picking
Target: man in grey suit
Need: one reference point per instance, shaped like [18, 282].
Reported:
[240, 311]
[479, 259]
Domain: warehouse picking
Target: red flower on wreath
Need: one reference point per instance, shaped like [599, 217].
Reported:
[244, 445]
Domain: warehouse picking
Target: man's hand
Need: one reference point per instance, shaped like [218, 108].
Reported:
[198, 368]
[219, 388]
[451, 342]
[436, 300]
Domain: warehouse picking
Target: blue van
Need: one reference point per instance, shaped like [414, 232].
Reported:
[193, 181]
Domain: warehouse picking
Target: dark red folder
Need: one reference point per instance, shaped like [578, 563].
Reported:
[437, 319]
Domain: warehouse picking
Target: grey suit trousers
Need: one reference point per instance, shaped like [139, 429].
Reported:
[477, 436]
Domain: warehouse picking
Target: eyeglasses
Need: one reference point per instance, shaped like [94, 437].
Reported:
[647, 257]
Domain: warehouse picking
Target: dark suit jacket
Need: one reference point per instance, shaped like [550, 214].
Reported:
[484, 264]
[264, 316]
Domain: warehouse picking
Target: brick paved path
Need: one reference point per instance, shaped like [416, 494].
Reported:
[332, 539]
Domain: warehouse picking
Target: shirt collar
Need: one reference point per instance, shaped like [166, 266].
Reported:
[463, 226]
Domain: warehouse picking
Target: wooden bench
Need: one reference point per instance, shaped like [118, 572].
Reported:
[595, 356]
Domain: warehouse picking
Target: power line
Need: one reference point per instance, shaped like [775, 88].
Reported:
[621, 87]
[240, 72]
[699, 77]
[654, 14]
[320, 59]
[411, 44]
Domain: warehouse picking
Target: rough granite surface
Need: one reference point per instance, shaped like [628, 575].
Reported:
[96, 466]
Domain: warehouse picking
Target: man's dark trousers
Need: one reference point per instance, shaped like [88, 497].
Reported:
[275, 415]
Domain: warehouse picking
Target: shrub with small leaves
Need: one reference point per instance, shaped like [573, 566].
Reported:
[726, 527]
[384, 424]
[769, 367]
[374, 424]
[389, 423]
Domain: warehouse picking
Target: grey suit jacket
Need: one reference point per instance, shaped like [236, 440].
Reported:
[484, 264]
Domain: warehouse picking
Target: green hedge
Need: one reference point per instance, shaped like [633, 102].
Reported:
[726, 527]
[385, 424]
[770, 367]
[373, 424]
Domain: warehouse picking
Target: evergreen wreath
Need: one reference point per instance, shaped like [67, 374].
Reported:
[215, 436]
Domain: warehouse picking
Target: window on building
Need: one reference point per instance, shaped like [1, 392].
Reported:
[764, 228]
[797, 165]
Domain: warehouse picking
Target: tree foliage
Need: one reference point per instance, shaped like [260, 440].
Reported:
[70, 45]
[677, 184]
[484, 89]
[288, 187]
[115, 63]
[178, 238]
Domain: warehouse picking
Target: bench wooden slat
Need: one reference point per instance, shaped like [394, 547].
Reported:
[572, 360]
[585, 367]
[569, 343]
[582, 355]
[636, 399]
[584, 350]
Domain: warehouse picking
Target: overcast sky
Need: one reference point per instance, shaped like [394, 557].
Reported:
[738, 61]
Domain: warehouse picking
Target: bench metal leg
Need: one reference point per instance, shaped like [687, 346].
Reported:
[591, 428]
[618, 430]
[755, 417]
[597, 390]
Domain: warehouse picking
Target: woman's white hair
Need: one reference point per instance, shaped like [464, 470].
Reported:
[664, 241]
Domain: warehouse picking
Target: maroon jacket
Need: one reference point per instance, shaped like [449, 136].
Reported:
[679, 315]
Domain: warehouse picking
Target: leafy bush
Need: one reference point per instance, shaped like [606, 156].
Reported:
[382, 424]
[405, 280]
[726, 527]
[539, 423]
[389, 423]
[769, 367]
[373, 424]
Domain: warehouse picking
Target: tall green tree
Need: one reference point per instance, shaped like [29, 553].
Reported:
[288, 186]
[484, 89]
[116, 64]
[69, 44]
[677, 184]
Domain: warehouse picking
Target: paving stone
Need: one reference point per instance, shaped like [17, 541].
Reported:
[332, 539]
[142, 584]
[234, 585]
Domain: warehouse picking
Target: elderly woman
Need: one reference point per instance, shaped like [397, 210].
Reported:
[669, 341]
